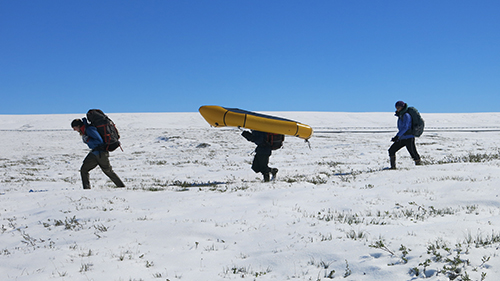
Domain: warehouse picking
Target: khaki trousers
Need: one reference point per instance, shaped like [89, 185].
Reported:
[92, 161]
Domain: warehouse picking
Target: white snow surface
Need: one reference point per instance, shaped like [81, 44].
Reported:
[193, 209]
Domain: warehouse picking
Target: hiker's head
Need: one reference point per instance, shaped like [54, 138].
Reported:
[400, 105]
[76, 124]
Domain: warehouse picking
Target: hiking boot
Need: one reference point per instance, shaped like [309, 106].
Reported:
[418, 162]
[393, 162]
[266, 177]
[274, 171]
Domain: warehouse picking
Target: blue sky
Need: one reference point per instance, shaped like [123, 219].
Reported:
[174, 56]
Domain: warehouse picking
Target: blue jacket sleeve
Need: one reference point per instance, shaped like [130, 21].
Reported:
[94, 135]
[404, 124]
[91, 137]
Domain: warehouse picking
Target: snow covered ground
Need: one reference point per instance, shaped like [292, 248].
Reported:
[194, 210]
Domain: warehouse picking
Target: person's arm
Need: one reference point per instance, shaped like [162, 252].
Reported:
[93, 140]
[406, 125]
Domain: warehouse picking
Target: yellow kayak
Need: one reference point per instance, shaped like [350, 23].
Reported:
[218, 116]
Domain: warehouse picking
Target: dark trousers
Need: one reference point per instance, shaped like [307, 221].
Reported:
[102, 159]
[260, 163]
[410, 146]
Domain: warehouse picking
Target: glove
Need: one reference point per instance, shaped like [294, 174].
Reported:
[247, 135]
[395, 139]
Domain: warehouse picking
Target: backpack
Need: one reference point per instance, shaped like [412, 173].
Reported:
[417, 123]
[106, 128]
[275, 140]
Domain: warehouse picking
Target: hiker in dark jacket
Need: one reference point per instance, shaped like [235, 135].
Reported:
[403, 138]
[96, 156]
[263, 151]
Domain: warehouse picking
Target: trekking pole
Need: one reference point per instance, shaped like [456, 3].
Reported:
[308, 143]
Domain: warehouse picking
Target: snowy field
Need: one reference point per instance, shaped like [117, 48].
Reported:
[194, 210]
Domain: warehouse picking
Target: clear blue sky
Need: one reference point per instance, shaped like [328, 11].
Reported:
[60, 56]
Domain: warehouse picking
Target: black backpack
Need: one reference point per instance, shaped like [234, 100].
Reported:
[106, 128]
[417, 123]
[275, 140]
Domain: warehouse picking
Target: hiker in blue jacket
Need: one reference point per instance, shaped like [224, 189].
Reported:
[403, 138]
[263, 151]
[96, 156]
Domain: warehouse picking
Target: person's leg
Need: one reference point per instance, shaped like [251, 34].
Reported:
[103, 160]
[412, 149]
[274, 172]
[256, 164]
[89, 163]
[265, 167]
[260, 165]
[395, 147]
